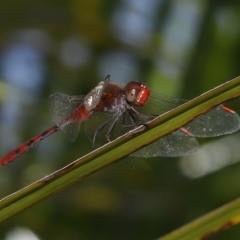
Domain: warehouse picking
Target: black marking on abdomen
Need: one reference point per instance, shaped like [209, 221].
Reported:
[30, 143]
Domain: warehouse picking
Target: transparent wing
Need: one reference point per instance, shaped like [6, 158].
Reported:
[158, 104]
[218, 121]
[173, 145]
[61, 107]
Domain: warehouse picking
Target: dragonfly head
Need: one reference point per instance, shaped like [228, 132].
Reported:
[136, 93]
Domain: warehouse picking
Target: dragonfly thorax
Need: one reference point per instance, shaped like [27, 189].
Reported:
[112, 99]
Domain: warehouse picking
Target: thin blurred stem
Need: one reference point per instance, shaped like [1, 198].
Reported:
[210, 224]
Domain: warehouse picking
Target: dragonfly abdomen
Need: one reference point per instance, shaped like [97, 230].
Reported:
[24, 147]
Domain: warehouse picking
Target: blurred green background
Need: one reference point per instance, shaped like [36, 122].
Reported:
[178, 48]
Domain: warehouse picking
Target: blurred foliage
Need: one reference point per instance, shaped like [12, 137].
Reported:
[179, 48]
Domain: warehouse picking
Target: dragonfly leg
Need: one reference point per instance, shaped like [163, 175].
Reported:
[112, 126]
[101, 127]
[116, 118]
[132, 112]
[144, 116]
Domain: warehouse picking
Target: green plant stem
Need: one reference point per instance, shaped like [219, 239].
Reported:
[115, 150]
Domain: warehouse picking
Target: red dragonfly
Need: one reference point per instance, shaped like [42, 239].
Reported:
[117, 108]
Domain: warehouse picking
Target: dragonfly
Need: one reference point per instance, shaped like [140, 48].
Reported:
[111, 109]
